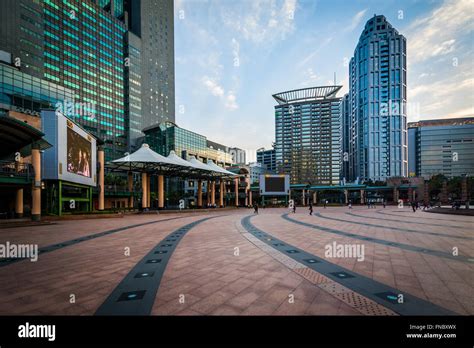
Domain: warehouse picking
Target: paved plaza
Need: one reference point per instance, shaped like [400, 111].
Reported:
[234, 262]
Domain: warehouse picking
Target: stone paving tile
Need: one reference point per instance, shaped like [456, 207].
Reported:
[422, 275]
[258, 280]
[99, 264]
[252, 282]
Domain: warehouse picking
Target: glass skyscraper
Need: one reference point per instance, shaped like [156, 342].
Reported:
[377, 101]
[307, 133]
[122, 80]
[152, 21]
[267, 159]
[444, 146]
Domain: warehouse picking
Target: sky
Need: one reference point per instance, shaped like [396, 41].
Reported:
[232, 55]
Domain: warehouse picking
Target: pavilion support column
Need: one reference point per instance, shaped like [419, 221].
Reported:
[426, 192]
[236, 192]
[36, 190]
[161, 191]
[148, 191]
[213, 192]
[362, 201]
[303, 197]
[208, 192]
[315, 197]
[247, 191]
[19, 203]
[199, 193]
[130, 189]
[444, 193]
[395, 195]
[250, 198]
[410, 194]
[144, 190]
[221, 193]
[346, 196]
[100, 155]
[464, 191]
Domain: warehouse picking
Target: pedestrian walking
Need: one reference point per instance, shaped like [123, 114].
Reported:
[255, 208]
[310, 209]
[350, 203]
[294, 208]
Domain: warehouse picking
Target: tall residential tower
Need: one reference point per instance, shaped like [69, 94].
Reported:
[378, 97]
[307, 133]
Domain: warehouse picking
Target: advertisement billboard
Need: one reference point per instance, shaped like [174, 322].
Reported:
[274, 185]
[73, 157]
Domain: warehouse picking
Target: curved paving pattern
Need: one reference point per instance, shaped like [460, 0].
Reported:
[413, 223]
[136, 293]
[53, 247]
[218, 267]
[409, 247]
[359, 284]
[431, 216]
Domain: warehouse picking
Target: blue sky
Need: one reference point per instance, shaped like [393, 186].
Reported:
[232, 55]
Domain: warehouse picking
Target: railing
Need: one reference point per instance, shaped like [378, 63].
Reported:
[16, 170]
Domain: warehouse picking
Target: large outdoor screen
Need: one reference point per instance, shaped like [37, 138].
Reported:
[274, 184]
[79, 154]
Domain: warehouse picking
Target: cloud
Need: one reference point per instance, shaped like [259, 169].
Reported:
[432, 35]
[229, 99]
[358, 17]
[313, 54]
[213, 87]
[264, 22]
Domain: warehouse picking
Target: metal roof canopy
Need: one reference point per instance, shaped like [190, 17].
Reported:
[147, 160]
[218, 169]
[307, 94]
[17, 135]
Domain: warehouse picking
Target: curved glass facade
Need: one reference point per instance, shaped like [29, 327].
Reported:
[378, 120]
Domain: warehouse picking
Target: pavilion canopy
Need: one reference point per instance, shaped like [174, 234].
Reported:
[144, 159]
[215, 167]
[147, 160]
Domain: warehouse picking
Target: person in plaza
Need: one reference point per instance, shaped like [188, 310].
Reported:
[350, 203]
[294, 208]
[310, 209]
[413, 206]
[384, 203]
[325, 203]
[255, 208]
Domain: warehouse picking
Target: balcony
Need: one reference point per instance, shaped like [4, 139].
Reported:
[16, 173]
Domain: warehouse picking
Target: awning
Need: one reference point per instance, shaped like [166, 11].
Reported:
[144, 159]
[17, 135]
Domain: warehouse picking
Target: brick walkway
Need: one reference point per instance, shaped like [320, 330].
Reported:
[217, 269]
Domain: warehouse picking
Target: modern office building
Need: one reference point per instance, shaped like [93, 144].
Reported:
[267, 159]
[307, 133]
[133, 87]
[345, 137]
[152, 21]
[443, 146]
[377, 101]
[239, 156]
[122, 80]
[167, 136]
